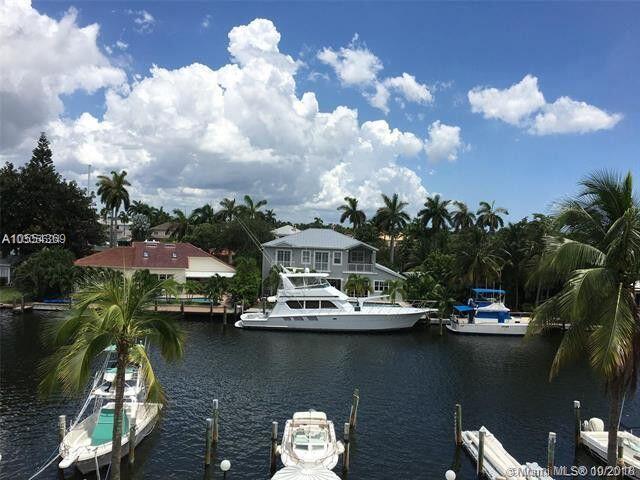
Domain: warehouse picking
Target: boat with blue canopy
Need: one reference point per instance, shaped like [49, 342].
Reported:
[486, 314]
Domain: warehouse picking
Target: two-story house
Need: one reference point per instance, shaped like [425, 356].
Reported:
[324, 250]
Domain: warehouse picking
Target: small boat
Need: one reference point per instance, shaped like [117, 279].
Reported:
[486, 314]
[306, 301]
[88, 443]
[595, 440]
[309, 441]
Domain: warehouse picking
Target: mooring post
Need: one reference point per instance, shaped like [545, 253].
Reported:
[577, 422]
[235, 311]
[155, 305]
[224, 314]
[441, 323]
[182, 306]
[619, 457]
[208, 442]
[62, 427]
[458, 423]
[274, 447]
[211, 310]
[132, 442]
[22, 303]
[347, 448]
[480, 464]
[355, 401]
[551, 452]
[264, 305]
[216, 421]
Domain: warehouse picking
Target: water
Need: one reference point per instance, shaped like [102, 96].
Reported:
[409, 383]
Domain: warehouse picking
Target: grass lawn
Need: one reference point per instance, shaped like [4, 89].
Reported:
[7, 294]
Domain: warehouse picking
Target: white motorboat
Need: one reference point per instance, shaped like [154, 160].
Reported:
[309, 440]
[486, 314]
[596, 440]
[88, 443]
[306, 301]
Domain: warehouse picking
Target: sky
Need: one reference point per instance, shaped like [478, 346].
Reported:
[305, 103]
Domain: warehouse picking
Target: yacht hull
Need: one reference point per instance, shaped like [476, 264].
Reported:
[353, 322]
[489, 328]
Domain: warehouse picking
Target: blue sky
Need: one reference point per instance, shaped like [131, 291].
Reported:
[588, 52]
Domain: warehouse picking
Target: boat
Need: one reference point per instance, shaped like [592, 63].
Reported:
[88, 443]
[595, 440]
[486, 314]
[306, 301]
[498, 464]
[304, 473]
[309, 441]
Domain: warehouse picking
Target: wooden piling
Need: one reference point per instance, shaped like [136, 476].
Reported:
[155, 305]
[577, 422]
[211, 310]
[62, 427]
[216, 421]
[480, 463]
[264, 305]
[355, 401]
[224, 314]
[208, 442]
[132, 442]
[274, 447]
[347, 448]
[551, 452]
[22, 303]
[235, 311]
[458, 424]
[182, 307]
[441, 323]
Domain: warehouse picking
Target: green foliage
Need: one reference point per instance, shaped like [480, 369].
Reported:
[113, 194]
[272, 280]
[140, 227]
[357, 285]
[215, 287]
[193, 287]
[36, 199]
[47, 273]
[245, 284]
[350, 212]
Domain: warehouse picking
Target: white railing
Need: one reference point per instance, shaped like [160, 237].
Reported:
[360, 267]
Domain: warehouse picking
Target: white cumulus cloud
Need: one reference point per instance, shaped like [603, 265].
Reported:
[444, 142]
[143, 20]
[524, 105]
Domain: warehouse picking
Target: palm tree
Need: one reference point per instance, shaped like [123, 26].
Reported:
[478, 259]
[113, 193]
[203, 214]
[392, 218]
[462, 218]
[358, 285]
[436, 212]
[600, 260]
[111, 309]
[270, 216]
[395, 289]
[229, 209]
[250, 208]
[489, 216]
[350, 212]
[181, 225]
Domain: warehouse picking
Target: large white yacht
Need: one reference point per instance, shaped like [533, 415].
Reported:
[306, 301]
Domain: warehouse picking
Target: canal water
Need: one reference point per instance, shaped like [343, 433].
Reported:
[409, 384]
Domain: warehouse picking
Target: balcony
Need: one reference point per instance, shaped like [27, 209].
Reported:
[359, 268]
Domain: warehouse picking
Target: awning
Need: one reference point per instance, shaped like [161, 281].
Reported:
[488, 290]
[305, 473]
[197, 274]
[463, 308]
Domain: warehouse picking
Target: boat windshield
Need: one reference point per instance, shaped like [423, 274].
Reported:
[308, 282]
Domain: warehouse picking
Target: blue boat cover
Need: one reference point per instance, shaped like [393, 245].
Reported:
[463, 308]
[488, 290]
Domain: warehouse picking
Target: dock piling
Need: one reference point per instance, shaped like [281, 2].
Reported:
[224, 314]
[347, 448]
[355, 401]
[132, 443]
[458, 424]
[620, 453]
[441, 323]
[211, 310]
[274, 447]
[216, 421]
[551, 451]
[264, 305]
[208, 443]
[62, 427]
[577, 422]
[480, 464]
[155, 305]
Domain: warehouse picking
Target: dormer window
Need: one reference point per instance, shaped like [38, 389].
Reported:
[145, 254]
[174, 255]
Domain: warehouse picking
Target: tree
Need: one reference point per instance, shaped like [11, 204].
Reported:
[600, 259]
[140, 227]
[110, 309]
[272, 280]
[395, 289]
[181, 225]
[192, 287]
[250, 208]
[113, 194]
[229, 210]
[357, 285]
[436, 212]
[46, 273]
[462, 218]
[245, 284]
[489, 216]
[204, 214]
[477, 259]
[214, 288]
[350, 212]
[391, 218]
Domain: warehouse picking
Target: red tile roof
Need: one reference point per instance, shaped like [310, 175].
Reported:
[158, 255]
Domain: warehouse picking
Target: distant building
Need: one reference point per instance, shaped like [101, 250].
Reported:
[7, 268]
[284, 230]
[122, 230]
[324, 250]
[180, 261]
[163, 231]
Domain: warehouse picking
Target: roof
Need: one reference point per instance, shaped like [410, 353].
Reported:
[318, 238]
[164, 226]
[488, 290]
[285, 230]
[389, 271]
[158, 255]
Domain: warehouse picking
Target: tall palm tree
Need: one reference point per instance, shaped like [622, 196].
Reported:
[181, 225]
[270, 216]
[462, 218]
[250, 208]
[489, 216]
[479, 260]
[358, 285]
[391, 219]
[113, 193]
[436, 212]
[229, 209]
[600, 260]
[350, 212]
[110, 309]
[395, 290]
[203, 214]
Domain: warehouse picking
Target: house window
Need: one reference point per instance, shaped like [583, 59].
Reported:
[145, 254]
[174, 255]
[164, 276]
[337, 258]
[321, 261]
[357, 256]
[380, 286]
[306, 257]
[283, 257]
